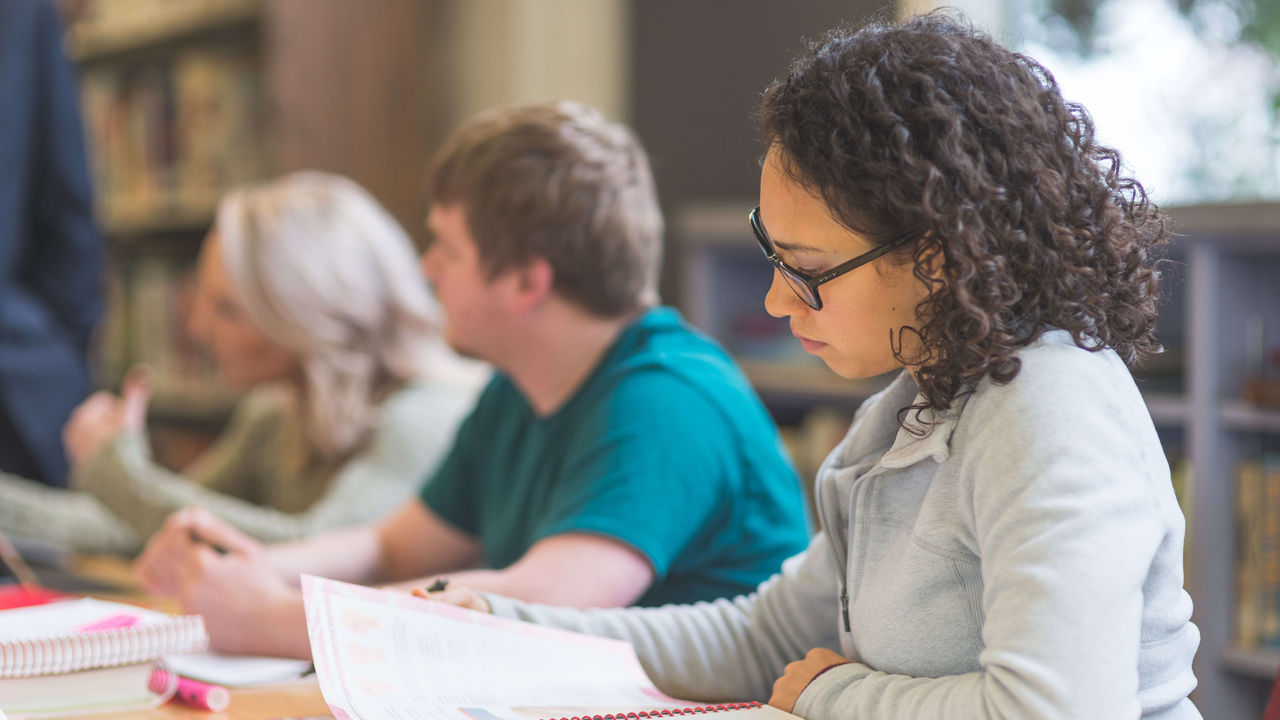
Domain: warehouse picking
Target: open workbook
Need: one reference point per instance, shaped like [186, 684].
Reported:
[384, 654]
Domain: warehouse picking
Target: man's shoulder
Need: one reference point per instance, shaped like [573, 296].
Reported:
[662, 349]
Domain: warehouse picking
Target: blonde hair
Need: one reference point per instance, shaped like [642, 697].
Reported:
[322, 269]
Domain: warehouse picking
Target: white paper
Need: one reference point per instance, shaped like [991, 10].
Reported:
[384, 654]
[237, 670]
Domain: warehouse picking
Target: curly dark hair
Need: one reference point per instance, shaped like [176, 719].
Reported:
[929, 127]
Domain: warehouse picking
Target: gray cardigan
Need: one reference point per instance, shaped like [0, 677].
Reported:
[1022, 559]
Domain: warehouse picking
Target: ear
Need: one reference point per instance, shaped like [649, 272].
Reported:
[533, 283]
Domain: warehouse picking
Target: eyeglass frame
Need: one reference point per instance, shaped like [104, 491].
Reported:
[811, 282]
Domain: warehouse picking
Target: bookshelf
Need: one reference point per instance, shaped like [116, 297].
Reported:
[1233, 282]
[183, 99]
[1222, 284]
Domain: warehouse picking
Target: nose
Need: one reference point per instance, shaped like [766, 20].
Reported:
[427, 263]
[781, 300]
[197, 325]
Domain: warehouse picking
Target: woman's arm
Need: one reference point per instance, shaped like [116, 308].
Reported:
[397, 457]
[68, 518]
[729, 649]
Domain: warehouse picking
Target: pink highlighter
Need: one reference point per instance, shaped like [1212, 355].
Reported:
[191, 692]
[115, 622]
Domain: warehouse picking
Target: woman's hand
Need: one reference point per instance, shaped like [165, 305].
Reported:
[459, 595]
[102, 416]
[798, 675]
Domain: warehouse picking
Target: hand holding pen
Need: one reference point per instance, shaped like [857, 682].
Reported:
[216, 571]
[459, 595]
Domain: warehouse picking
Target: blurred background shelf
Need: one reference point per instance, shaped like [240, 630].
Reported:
[1261, 664]
[184, 100]
[113, 31]
[189, 215]
[1239, 415]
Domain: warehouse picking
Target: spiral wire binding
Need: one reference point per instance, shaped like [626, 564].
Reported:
[108, 648]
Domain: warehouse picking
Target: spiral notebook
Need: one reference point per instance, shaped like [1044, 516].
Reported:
[77, 655]
[382, 654]
[87, 633]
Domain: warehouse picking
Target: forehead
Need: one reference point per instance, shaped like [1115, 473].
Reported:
[209, 265]
[449, 221]
[796, 218]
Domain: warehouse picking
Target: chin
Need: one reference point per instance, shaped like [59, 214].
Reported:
[856, 371]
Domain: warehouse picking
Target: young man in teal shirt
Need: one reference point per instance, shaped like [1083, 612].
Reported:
[618, 457]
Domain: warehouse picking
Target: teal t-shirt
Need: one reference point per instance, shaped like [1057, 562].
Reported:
[665, 447]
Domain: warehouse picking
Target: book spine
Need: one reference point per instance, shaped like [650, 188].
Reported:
[1269, 580]
[1249, 521]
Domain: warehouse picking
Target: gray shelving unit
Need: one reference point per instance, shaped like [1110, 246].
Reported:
[1233, 281]
[1225, 270]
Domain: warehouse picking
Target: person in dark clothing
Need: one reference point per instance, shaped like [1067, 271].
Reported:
[50, 251]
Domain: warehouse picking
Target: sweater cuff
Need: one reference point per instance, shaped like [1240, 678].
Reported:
[128, 449]
[501, 605]
[819, 699]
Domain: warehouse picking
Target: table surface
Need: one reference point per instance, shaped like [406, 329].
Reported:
[295, 699]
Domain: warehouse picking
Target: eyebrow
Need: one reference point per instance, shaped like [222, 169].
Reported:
[791, 246]
[800, 247]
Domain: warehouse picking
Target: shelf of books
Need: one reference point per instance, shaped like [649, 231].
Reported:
[186, 99]
[109, 29]
[1233, 369]
[1245, 416]
[172, 98]
[1255, 649]
[169, 135]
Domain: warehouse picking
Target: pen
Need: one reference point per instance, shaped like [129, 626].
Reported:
[9, 554]
[201, 541]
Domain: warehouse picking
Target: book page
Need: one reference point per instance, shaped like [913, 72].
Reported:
[384, 654]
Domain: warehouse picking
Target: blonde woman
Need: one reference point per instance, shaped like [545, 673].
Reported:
[309, 299]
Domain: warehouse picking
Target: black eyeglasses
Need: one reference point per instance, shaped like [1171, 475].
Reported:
[806, 286]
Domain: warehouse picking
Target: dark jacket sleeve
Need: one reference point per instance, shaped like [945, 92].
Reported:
[65, 271]
[50, 252]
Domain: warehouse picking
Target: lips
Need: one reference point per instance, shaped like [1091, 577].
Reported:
[810, 346]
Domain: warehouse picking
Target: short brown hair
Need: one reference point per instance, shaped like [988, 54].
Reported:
[559, 182]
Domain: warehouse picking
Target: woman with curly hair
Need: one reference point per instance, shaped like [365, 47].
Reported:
[1000, 535]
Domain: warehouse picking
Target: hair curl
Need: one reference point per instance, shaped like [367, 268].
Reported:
[931, 128]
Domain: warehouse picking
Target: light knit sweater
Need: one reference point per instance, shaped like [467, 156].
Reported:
[247, 477]
[1021, 560]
